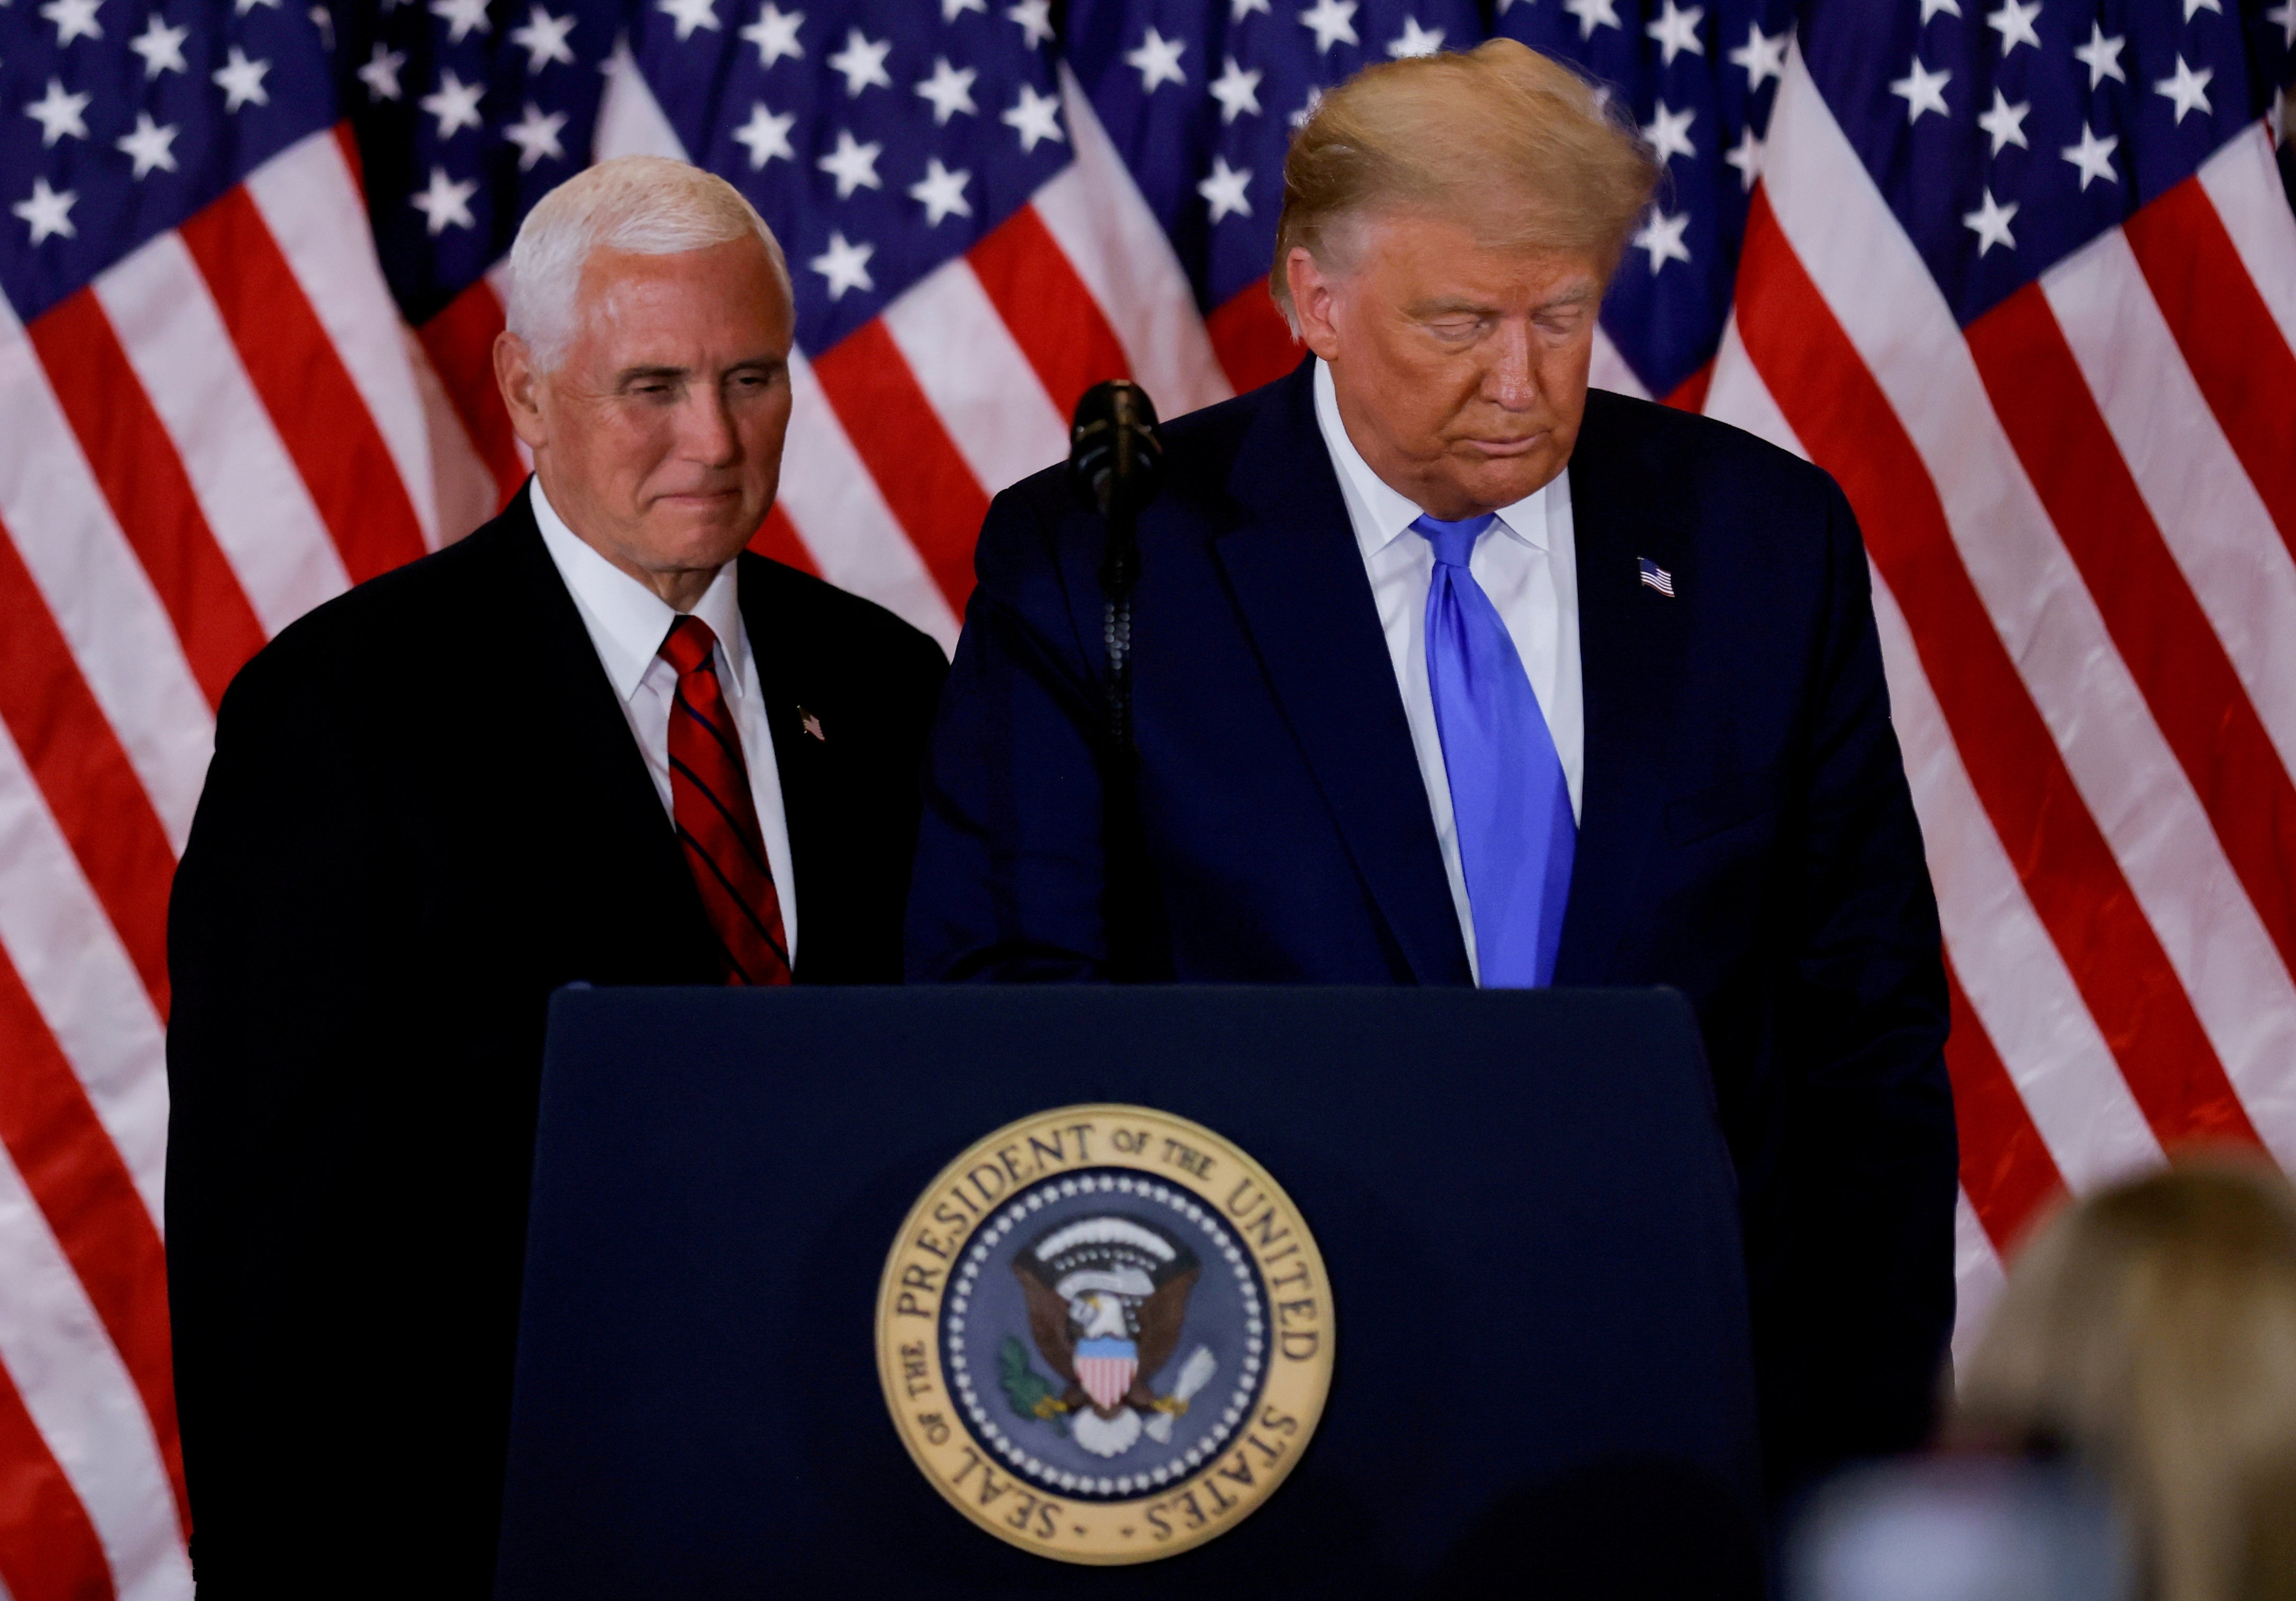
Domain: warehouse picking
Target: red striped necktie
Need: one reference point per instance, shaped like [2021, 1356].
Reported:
[717, 820]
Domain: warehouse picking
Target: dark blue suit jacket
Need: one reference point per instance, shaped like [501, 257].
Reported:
[1746, 833]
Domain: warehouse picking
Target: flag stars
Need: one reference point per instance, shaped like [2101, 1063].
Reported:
[241, 8]
[1157, 60]
[162, 47]
[1592, 14]
[775, 34]
[1035, 18]
[1414, 41]
[380, 73]
[845, 265]
[1746, 156]
[59, 115]
[455, 104]
[1990, 222]
[241, 81]
[47, 212]
[1034, 117]
[1669, 133]
[446, 204]
[2188, 89]
[2014, 23]
[1661, 237]
[1676, 30]
[150, 145]
[2284, 13]
[1299, 118]
[2101, 56]
[1762, 55]
[2004, 123]
[463, 17]
[1931, 8]
[941, 192]
[1237, 91]
[74, 19]
[543, 37]
[1922, 90]
[2193, 8]
[2094, 156]
[950, 90]
[1332, 23]
[1238, 10]
[536, 134]
[1224, 190]
[951, 10]
[766, 135]
[862, 62]
[690, 15]
[853, 164]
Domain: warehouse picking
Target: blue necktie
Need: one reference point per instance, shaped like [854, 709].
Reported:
[1509, 798]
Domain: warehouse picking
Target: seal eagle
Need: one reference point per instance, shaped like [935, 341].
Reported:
[1106, 1295]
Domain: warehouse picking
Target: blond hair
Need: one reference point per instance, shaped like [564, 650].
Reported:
[2152, 1328]
[648, 205]
[1514, 144]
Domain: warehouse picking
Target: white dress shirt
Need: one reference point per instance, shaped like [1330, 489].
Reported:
[627, 623]
[1527, 563]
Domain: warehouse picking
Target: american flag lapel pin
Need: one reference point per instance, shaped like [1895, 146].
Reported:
[811, 725]
[1655, 577]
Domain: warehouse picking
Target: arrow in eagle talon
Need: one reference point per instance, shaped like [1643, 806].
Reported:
[1193, 1377]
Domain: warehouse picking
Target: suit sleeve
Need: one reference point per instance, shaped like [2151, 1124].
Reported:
[279, 935]
[1856, 1343]
[1009, 882]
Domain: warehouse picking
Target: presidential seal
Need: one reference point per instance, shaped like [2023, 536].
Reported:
[1105, 1334]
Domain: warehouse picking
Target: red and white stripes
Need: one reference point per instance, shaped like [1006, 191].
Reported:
[2085, 599]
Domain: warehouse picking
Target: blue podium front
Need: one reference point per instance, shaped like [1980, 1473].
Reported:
[1525, 1211]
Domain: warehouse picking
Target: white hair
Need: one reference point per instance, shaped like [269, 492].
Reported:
[648, 205]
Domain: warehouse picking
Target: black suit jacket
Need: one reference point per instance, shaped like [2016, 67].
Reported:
[1747, 835]
[425, 813]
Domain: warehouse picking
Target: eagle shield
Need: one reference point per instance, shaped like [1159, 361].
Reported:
[1107, 1294]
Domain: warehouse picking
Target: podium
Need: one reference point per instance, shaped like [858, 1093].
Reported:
[1525, 1207]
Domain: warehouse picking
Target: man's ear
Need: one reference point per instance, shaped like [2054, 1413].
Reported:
[1312, 293]
[516, 377]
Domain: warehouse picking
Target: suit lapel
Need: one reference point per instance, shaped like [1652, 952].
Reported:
[800, 763]
[610, 811]
[1298, 578]
[1631, 644]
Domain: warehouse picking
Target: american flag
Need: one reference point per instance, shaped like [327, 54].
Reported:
[2022, 277]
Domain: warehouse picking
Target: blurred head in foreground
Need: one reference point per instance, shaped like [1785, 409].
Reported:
[1449, 223]
[2151, 1330]
[646, 363]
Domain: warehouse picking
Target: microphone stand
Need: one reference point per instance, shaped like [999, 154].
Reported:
[1115, 464]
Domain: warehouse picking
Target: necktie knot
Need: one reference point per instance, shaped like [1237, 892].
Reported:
[687, 644]
[1454, 542]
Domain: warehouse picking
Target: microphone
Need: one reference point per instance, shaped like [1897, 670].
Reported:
[1116, 461]
[1115, 466]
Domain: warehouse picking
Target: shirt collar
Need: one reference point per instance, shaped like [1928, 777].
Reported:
[1390, 513]
[628, 621]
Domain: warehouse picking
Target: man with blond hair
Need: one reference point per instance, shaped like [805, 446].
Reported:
[594, 741]
[1448, 671]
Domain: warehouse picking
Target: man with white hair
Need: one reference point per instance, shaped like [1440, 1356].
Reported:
[594, 741]
[1448, 671]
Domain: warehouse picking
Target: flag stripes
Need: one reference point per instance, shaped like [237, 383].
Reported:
[2084, 604]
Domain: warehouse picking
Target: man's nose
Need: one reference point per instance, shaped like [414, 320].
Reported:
[705, 427]
[1509, 381]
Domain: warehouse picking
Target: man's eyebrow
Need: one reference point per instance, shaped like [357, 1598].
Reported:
[629, 376]
[1456, 306]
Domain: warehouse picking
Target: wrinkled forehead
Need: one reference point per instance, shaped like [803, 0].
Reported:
[727, 290]
[1421, 258]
